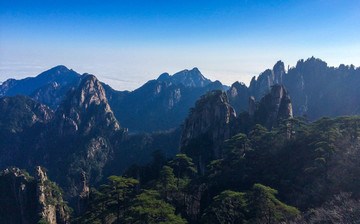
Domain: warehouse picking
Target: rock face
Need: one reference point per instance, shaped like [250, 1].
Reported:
[79, 137]
[84, 129]
[238, 96]
[85, 109]
[213, 120]
[316, 89]
[26, 199]
[274, 107]
[252, 106]
[259, 87]
[84, 193]
[51, 205]
[210, 119]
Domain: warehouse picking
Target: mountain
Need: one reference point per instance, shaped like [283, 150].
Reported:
[315, 88]
[31, 199]
[208, 122]
[189, 78]
[53, 93]
[80, 141]
[160, 104]
[213, 120]
[59, 74]
[238, 95]
[80, 136]
[273, 107]
[85, 108]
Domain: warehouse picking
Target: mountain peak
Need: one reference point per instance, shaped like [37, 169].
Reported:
[189, 78]
[274, 106]
[60, 68]
[195, 69]
[164, 77]
[85, 108]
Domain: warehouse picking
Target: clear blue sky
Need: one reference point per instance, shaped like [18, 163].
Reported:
[126, 43]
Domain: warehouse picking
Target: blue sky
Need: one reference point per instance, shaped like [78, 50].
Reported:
[126, 43]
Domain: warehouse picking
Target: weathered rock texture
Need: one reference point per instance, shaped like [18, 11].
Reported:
[25, 199]
[85, 109]
[273, 107]
[210, 120]
[213, 120]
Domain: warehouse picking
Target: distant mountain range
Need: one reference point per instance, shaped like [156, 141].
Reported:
[82, 130]
[159, 104]
[316, 90]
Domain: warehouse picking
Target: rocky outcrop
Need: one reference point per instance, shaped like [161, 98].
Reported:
[213, 120]
[252, 106]
[260, 86]
[49, 196]
[211, 115]
[210, 119]
[26, 199]
[84, 193]
[238, 96]
[274, 107]
[85, 109]
[84, 129]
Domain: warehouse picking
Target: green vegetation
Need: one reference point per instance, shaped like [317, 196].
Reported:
[309, 165]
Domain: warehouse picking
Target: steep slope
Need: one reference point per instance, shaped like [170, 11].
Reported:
[210, 122]
[260, 86]
[213, 120]
[316, 89]
[238, 96]
[85, 109]
[82, 136]
[273, 107]
[319, 90]
[26, 199]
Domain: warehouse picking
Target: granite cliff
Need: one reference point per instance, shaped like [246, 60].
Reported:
[213, 120]
[31, 199]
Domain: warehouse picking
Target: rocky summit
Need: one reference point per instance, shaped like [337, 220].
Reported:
[85, 108]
